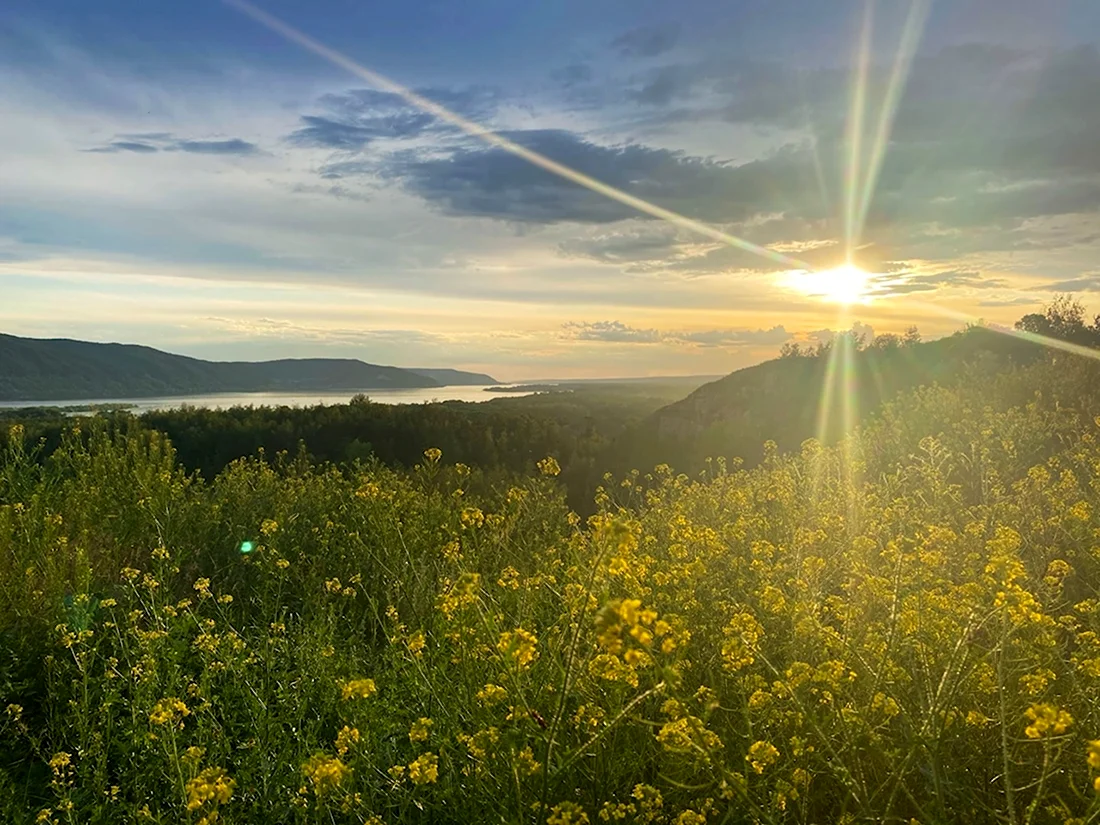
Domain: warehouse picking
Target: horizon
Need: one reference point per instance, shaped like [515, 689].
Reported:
[191, 180]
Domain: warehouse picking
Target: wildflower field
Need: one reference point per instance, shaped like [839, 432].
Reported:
[903, 627]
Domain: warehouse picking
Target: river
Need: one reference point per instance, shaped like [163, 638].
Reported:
[275, 399]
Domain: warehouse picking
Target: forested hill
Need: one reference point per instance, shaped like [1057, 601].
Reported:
[43, 370]
[455, 378]
[807, 394]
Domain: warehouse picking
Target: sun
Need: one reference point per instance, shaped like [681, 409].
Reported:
[845, 284]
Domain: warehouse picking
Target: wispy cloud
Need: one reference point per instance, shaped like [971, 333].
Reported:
[165, 142]
[616, 332]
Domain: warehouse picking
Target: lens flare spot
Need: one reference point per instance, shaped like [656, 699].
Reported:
[845, 284]
[247, 547]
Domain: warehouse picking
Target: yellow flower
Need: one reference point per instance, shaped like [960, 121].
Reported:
[649, 802]
[472, 517]
[269, 527]
[519, 645]
[59, 762]
[167, 711]
[358, 689]
[433, 454]
[480, 743]
[761, 754]
[509, 578]
[549, 466]
[688, 735]
[690, 817]
[424, 769]
[1094, 754]
[491, 694]
[419, 730]
[346, 738]
[743, 635]
[325, 772]
[212, 785]
[526, 765]
[417, 642]
[1046, 719]
[567, 813]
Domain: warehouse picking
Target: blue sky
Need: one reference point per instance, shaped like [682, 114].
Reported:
[178, 175]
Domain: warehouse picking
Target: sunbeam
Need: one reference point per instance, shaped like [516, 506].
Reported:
[493, 139]
[1024, 335]
[903, 61]
[856, 111]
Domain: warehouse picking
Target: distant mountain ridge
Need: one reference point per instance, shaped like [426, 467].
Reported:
[455, 378]
[36, 369]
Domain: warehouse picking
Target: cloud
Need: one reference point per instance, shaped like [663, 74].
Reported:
[124, 146]
[151, 142]
[616, 332]
[472, 179]
[358, 117]
[637, 243]
[234, 146]
[612, 332]
[737, 337]
[1089, 282]
[927, 282]
[647, 41]
[988, 143]
[860, 329]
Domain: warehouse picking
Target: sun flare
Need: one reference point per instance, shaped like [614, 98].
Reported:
[845, 284]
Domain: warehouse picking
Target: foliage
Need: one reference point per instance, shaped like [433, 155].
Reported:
[902, 627]
[1063, 319]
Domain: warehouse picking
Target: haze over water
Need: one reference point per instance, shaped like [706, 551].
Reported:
[417, 395]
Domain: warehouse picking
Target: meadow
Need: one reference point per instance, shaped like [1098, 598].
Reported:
[903, 626]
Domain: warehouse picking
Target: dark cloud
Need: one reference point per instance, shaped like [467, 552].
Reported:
[630, 246]
[329, 133]
[647, 41]
[360, 116]
[474, 179]
[617, 332]
[124, 146]
[150, 142]
[234, 146]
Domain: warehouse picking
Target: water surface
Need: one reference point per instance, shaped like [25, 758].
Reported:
[222, 400]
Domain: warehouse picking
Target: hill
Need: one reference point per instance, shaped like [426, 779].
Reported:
[455, 378]
[54, 369]
[791, 399]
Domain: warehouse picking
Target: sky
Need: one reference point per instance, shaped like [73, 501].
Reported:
[181, 175]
